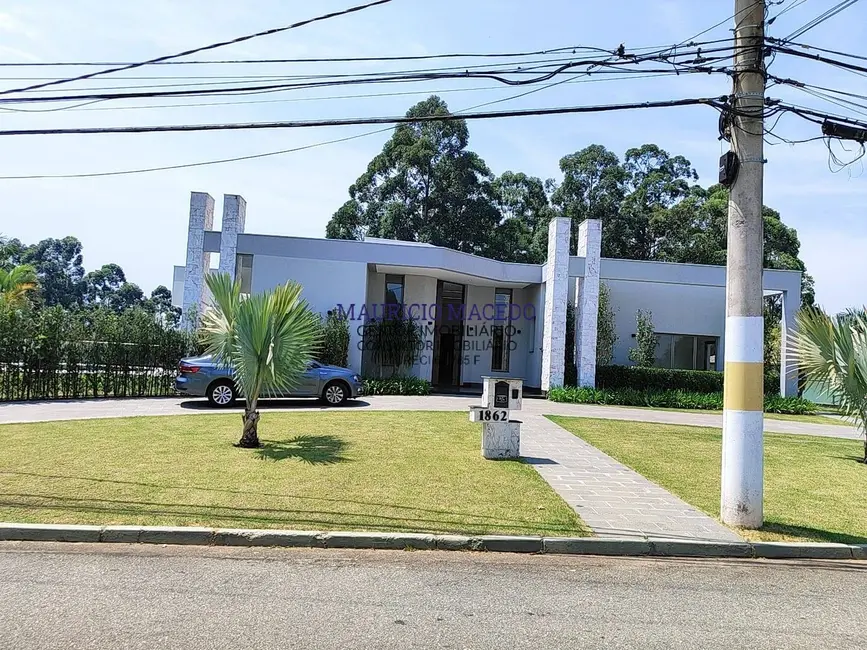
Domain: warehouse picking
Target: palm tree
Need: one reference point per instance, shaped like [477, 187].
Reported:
[832, 353]
[15, 284]
[267, 339]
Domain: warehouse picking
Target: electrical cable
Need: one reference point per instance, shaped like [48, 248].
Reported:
[204, 48]
[495, 75]
[818, 20]
[565, 110]
[259, 155]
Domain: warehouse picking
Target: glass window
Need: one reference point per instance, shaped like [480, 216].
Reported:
[683, 352]
[686, 352]
[663, 350]
[393, 289]
[244, 272]
[500, 333]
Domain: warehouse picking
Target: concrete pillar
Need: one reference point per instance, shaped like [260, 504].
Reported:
[788, 362]
[198, 261]
[587, 301]
[234, 220]
[556, 299]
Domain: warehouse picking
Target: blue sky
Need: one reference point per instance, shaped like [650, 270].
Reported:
[139, 221]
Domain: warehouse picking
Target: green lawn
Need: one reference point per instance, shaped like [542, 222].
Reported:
[810, 419]
[815, 488]
[339, 470]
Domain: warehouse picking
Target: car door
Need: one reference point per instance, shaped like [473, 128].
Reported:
[308, 386]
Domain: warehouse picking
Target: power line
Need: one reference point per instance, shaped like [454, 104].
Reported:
[818, 20]
[817, 57]
[497, 75]
[819, 49]
[574, 49]
[355, 121]
[204, 48]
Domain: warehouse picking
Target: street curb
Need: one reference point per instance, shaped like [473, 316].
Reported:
[610, 546]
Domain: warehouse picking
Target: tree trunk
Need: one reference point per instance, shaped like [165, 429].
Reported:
[250, 437]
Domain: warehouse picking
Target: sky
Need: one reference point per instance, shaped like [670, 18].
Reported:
[139, 221]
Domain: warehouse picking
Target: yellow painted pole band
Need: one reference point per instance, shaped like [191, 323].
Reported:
[744, 386]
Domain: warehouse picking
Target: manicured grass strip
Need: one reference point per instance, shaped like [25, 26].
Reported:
[814, 487]
[341, 470]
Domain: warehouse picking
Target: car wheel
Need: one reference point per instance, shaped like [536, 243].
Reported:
[222, 394]
[335, 394]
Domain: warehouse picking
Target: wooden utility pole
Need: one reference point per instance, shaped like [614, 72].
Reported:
[742, 463]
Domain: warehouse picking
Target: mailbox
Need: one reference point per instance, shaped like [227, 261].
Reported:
[502, 393]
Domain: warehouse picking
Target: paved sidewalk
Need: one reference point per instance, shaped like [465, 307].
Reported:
[612, 499]
[112, 408]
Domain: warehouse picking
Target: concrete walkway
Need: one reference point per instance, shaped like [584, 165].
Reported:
[112, 408]
[612, 499]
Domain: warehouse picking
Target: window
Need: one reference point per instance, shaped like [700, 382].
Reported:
[393, 289]
[244, 272]
[686, 352]
[501, 333]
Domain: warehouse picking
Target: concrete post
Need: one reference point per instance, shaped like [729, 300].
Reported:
[556, 299]
[742, 461]
[587, 301]
[198, 261]
[788, 362]
[234, 221]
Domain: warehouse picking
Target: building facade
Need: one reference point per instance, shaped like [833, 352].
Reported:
[479, 316]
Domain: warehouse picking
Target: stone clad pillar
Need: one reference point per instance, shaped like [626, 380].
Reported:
[556, 299]
[234, 220]
[198, 261]
[587, 301]
[788, 363]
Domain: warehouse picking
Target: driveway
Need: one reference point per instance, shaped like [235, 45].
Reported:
[112, 408]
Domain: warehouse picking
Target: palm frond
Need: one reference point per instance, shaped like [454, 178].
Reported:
[267, 338]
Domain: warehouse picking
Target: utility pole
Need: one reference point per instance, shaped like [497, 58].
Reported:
[742, 449]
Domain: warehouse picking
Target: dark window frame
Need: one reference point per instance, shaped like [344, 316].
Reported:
[501, 339]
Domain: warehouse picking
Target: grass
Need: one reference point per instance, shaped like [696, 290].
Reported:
[397, 471]
[809, 419]
[815, 488]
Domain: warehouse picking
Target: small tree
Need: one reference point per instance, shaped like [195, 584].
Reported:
[832, 352]
[267, 339]
[644, 352]
[606, 336]
[335, 339]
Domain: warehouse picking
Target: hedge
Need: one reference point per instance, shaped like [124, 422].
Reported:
[662, 379]
[678, 399]
[396, 386]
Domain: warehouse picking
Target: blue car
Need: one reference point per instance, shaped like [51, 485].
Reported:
[205, 377]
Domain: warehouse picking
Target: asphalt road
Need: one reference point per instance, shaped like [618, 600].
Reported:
[89, 596]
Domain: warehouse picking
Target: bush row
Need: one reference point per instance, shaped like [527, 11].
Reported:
[661, 379]
[679, 399]
[396, 386]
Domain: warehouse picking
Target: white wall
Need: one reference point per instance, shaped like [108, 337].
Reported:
[326, 283]
[677, 309]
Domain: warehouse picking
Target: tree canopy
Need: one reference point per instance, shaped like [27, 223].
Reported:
[57, 268]
[427, 186]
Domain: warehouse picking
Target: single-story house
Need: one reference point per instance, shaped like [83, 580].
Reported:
[480, 316]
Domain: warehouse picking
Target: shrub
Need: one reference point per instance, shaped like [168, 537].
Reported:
[698, 381]
[335, 339]
[678, 399]
[791, 405]
[396, 386]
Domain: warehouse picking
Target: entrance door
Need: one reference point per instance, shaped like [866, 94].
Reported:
[709, 355]
[446, 371]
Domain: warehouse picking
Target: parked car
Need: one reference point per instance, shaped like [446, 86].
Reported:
[206, 377]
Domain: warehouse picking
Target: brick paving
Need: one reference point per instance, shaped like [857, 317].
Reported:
[612, 499]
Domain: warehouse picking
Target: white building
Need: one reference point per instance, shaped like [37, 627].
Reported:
[454, 296]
